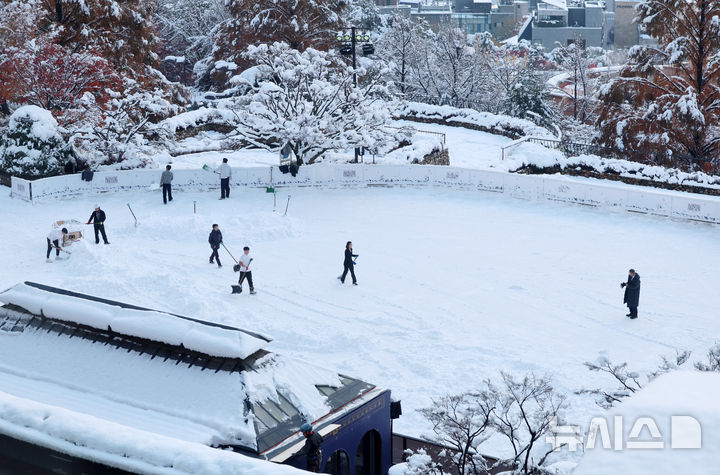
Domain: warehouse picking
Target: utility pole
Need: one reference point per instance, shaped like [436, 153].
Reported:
[350, 49]
[354, 56]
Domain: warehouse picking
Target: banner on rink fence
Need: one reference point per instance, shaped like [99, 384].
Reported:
[529, 187]
[21, 188]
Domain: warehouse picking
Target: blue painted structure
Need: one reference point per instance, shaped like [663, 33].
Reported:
[374, 415]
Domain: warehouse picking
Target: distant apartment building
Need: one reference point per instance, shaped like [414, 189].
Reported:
[546, 23]
[560, 22]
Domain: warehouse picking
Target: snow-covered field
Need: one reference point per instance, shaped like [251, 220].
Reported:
[454, 285]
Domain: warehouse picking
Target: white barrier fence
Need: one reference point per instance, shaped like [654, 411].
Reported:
[530, 187]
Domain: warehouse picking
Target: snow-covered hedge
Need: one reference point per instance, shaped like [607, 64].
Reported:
[540, 160]
[471, 119]
[31, 146]
[198, 118]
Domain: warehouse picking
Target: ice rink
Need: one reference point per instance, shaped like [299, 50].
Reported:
[454, 285]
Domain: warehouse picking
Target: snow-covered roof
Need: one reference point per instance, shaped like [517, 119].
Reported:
[561, 4]
[205, 337]
[155, 374]
[684, 407]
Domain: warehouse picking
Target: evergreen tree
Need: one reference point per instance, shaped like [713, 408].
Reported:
[31, 146]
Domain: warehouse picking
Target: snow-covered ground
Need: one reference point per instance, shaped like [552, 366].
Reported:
[454, 285]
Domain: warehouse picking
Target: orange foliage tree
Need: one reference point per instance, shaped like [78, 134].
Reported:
[121, 31]
[299, 23]
[51, 77]
[663, 107]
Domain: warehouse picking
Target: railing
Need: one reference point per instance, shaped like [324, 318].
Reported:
[426, 132]
[570, 149]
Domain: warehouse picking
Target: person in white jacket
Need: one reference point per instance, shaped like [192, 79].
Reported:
[244, 269]
[53, 240]
[225, 173]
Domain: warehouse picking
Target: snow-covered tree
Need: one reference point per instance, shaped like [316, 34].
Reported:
[186, 30]
[525, 409]
[578, 62]
[31, 146]
[121, 31]
[362, 14]
[445, 66]
[515, 77]
[399, 45]
[301, 24]
[463, 422]
[665, 103]
[52, 77]
[627, 382]
[115, 129]
[713, 360]
[308, 99]
[521, 410]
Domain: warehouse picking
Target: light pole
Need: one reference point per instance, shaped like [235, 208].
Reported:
[348, 47]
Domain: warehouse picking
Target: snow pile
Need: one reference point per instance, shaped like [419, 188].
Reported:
[295, 379]
[120, 446]
[157, 326]
[469, 118]
[31, 145]
[421, 147]
[680, 393]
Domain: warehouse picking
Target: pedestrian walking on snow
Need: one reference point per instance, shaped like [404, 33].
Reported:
[349, 264]
[225, 173]
[166, 182]
[243, 266]
[215, 240]
[97, 218]
[632, 292]
[54, 239]
[311, 449]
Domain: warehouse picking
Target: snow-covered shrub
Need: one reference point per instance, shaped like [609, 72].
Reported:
[31, 146]
[417, 463]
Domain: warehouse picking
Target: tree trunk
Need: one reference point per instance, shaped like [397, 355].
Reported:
[59, 10]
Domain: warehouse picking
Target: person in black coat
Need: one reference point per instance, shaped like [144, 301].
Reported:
[348, 264]
[632, 292]
[215, 240]
[98, 219]
[311, 449]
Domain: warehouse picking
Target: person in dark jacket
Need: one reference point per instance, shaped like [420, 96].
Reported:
[632, 292]
[98, 219]
[348, 264]
[87, 174]
[215, 240]
[311, 449]
[166, 181]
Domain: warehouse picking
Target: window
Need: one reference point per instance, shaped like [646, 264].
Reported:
[368, 459]
[338, 463]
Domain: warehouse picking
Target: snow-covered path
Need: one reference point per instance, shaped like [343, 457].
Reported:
[454, 285]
